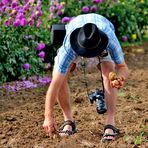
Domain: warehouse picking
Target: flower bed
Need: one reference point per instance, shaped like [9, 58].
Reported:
[25, 45]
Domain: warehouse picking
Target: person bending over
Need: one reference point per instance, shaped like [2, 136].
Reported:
[87, 35]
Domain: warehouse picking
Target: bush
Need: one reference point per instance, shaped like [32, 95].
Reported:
[17, 49]
[19, 42]
[25, 25]
[129, 17]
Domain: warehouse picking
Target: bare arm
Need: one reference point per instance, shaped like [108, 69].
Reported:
[52, 92]
[49, 124]
[122, 75]
[122, 70]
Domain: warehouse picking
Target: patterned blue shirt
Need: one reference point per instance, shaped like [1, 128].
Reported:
[66, 54]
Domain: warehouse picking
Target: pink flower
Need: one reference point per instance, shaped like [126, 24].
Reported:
[60, 12]
[3, 8]
[23, 22]
[60, 7]
[5, 2]
[1, 4]
[44, 80]
[124, 38]
[26, 66]
[97, 1]
[49, 65]
[40, 46]
[51, 16]
[52, 8]
[41, 54]
[13, 4]
[17, 23]
[32, 16]
[65, 19]
[7, 23]
[26, 7]
[20, 16]
[30, 22]
[85, 9]
[39, 23]
[93, 8]
[39, 13]
[25, 1]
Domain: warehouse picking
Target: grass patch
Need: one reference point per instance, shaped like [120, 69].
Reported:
[133, 97]
[141, 137]
[121, 93]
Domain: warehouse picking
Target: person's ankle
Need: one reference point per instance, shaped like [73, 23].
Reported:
[110, 123]
[68, 119]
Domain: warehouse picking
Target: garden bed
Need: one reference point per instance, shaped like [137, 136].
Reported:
[21, 112]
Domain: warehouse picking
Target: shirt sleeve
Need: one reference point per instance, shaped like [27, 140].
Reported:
[64, 58]
[115, 49]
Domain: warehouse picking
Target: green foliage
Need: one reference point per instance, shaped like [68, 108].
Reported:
[16, 49]
[140, 138]
[130, 19]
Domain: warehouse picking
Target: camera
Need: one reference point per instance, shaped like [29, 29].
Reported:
[57, 35]
[98, 97]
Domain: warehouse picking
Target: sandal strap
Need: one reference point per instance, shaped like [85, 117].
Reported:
[67, 132]
[107, 135]
[72, 124]
[109, 126]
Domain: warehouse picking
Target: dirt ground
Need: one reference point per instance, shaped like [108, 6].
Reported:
[21, 112]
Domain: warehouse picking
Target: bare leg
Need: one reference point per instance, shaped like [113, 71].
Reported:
[65, 104]
[64, 101]
[110, 94]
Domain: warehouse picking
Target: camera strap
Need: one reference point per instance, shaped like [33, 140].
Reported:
[83, 64]
[101, 74]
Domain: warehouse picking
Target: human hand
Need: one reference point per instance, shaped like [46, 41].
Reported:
[50, 126]
[116, 81]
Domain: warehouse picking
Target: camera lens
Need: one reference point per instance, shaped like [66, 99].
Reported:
[98, 97]
[100, 103]
[100, 106]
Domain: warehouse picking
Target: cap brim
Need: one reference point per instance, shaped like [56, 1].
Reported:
[84, 52]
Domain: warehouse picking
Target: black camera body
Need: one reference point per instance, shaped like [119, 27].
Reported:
[98, 97]
[58, 33]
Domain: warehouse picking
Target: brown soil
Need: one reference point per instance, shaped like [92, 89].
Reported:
[21, 113]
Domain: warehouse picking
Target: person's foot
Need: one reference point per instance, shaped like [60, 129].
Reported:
[67, 128]
[64, 131]
[109, 133]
